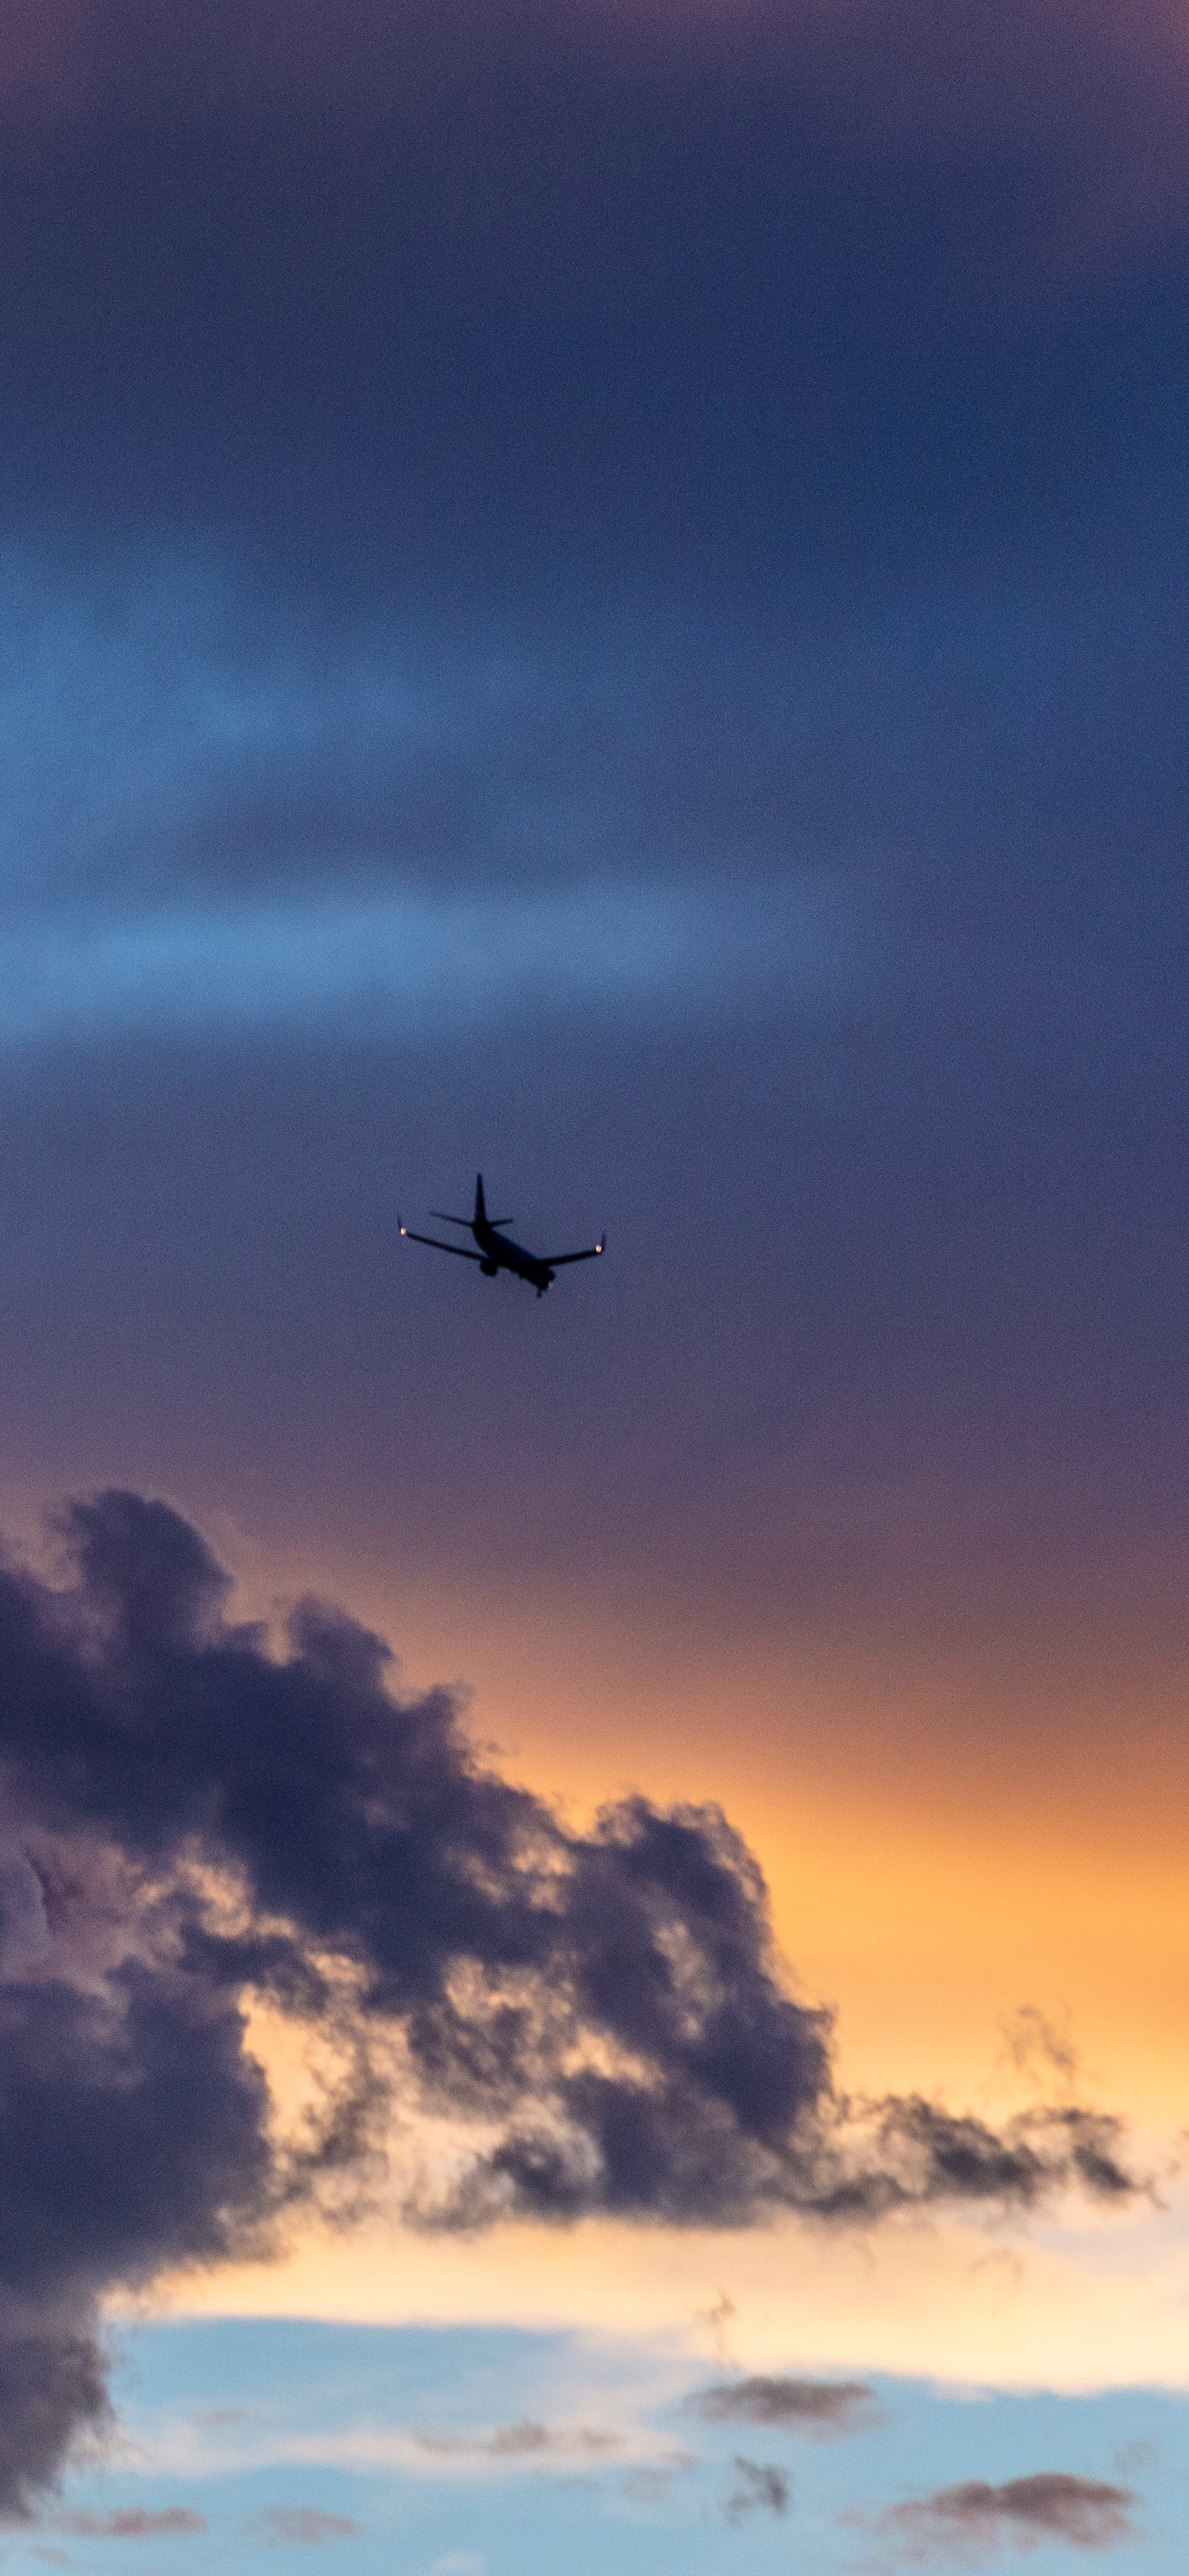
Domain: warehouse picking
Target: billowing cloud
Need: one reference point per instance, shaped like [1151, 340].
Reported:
[1051, 2505]
[798, 2405]
[52, 2390]
[201, 1832]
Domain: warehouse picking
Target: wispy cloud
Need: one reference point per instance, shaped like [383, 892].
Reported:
[757, 2487]
[134, 2523]
[303, 2526]
[220, 811]
[368, 2446]
[524, 2441]
[404, 963]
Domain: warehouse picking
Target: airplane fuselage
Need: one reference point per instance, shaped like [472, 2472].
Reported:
[500, 1253]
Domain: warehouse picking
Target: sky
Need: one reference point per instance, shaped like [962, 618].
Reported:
[593, 1933]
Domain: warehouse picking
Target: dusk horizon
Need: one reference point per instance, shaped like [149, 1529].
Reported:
[593, 1926]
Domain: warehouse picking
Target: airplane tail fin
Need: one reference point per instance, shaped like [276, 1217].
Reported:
[480, 1206]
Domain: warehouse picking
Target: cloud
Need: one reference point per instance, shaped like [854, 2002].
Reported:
[595, 2023]
[654, 2484]
[757, 2488]
[223, 832]
[522, 2441]
[1031, 2041]
[134, 2523]
[713, 286]
[975, 2518]
[905, 2151]
[1087, 101]
[403, 962]
[53, 2393]
[303, 2526]
[966, 72]
[802, 2405]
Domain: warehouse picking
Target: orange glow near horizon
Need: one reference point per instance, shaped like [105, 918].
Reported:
[947, 1837]
[927, 1884]
[928, 1878]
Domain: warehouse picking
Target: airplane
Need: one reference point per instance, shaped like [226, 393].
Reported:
[496, 1251]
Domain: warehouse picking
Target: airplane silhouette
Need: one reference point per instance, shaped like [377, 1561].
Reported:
[496, 1251]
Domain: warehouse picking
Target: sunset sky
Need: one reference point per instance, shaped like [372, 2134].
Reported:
[597, 592]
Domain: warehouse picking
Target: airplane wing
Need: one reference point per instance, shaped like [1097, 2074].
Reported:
[557, 1260]
[463, 1251]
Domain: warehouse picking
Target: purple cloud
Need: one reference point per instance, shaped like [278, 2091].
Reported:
[797, 2405]
[976, 2518]
[608, 2003]
[134, 2523]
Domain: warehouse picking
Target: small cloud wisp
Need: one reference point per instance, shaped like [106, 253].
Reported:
[302, 2526]
[796, 2405]
[135, 2522]
[758, 2487]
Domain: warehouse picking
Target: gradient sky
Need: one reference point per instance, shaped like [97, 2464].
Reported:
[603, 593]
